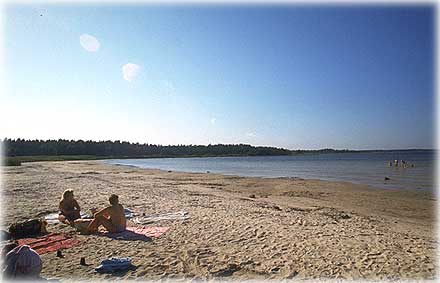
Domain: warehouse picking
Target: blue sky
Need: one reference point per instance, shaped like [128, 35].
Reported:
[357, 77]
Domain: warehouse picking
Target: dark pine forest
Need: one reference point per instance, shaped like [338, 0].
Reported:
[22, 147]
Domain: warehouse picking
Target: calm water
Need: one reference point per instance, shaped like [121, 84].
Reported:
[363, 168]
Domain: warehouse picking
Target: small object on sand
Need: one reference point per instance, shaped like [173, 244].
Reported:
[82, 261]
[386, 179]
[114, 264]
[252, 196]
[208, 172]
[169, 171]
[5, 235]
[276, 207]
[59, 253]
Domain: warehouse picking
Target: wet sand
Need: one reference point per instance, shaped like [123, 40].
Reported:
[239, 228]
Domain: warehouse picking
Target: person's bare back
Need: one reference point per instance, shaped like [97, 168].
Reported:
[117, 216]
[112, 217]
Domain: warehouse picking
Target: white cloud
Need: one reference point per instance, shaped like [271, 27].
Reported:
[249, 134]
[213, 120]
[130, 71]
[89, 43]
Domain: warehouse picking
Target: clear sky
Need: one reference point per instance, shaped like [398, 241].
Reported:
[295, 77]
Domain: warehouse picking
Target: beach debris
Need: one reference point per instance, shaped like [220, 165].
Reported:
[336, 214]
[252, 196]
[227, 271]
[114, 264]
[82, 261]
[59, 253]
[169, 171]
[276, 207]
[208, 172]
[292, 274]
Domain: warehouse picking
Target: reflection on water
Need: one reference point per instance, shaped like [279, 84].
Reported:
[369, 168]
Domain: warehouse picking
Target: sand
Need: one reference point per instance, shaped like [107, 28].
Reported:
[239, 228]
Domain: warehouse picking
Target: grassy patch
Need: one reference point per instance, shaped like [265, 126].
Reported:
[11, 162]
[17, 160]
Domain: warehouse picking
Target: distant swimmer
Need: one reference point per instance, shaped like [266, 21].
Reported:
[403, 163]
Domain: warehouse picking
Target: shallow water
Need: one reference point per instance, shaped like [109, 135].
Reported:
[368, 168]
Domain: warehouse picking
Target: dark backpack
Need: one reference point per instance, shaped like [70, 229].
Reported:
[28, 228]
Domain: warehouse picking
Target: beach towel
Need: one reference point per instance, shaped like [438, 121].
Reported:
[145, 219]
[114, 265]
[50, 243]
[138, 233]
[129, 213]
[52, 218]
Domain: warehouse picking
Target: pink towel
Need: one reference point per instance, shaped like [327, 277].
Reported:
[140, 233]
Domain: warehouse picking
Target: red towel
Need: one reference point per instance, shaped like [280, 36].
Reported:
[50, 243]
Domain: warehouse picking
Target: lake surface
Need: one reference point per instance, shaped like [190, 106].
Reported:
[368, 168]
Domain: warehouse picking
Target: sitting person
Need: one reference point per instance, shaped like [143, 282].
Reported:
[112, 217]
[69, 208]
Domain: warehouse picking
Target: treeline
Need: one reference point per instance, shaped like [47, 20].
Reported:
[22, 147]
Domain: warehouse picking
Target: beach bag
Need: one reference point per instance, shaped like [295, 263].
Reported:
[22, 262]
[28, 228]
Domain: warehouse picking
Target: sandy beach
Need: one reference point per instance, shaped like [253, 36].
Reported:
[239, 228]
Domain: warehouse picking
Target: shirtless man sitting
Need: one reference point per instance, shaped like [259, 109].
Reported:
[112, 217]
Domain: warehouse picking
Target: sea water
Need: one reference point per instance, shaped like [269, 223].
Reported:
[368, 168]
